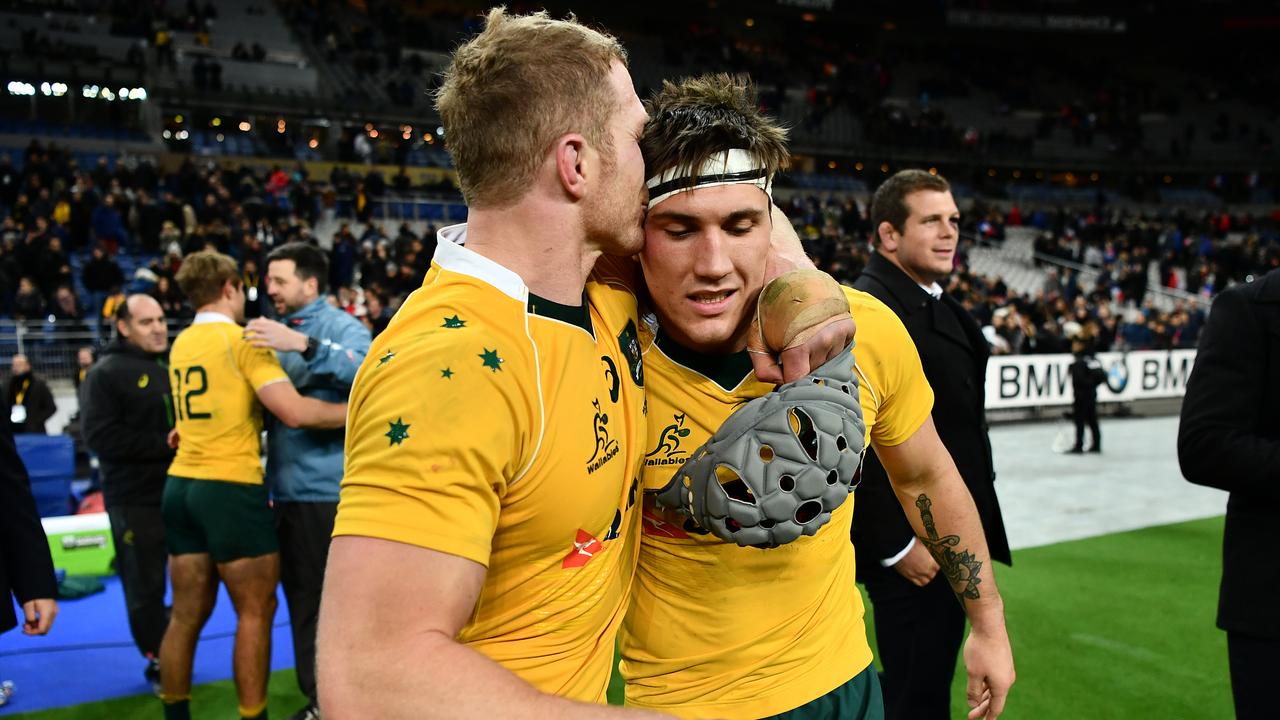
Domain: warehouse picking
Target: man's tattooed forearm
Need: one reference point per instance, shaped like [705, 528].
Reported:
[960, 568]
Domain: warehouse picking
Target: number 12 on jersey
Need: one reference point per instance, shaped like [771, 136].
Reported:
[181, 399]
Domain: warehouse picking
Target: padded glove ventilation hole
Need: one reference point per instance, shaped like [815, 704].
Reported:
[802, 426]
[734, 486]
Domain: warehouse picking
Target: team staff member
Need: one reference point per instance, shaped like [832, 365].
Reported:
[217, 521]
[719, 631]
[126, 414]
[919, 626]
[321, 348]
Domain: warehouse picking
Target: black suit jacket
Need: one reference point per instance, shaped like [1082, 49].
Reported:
[954, 355]
[1229, 438]
[26, 569]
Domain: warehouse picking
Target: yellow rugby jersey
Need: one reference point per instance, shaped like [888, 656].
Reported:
[493, 425]
[719, 631]
[214, 375]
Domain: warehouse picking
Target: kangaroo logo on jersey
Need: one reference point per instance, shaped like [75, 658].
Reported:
[585, 548]
[631, 349]
[668, 451]
[606, 447]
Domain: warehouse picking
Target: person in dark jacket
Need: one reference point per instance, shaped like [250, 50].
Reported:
[26, 568]
[1229, 438]
[125, 418]
[1086, 375]
[30, 400]
[919, 624]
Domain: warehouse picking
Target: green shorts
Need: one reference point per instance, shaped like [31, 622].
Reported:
[225, 520]
[858, 699]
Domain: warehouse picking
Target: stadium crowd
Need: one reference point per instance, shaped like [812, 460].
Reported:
[131, 212]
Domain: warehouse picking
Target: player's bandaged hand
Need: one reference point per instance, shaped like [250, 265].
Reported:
[779, 465]
[802, 320]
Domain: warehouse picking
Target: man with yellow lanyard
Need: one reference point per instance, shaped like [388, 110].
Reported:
[720, 631]
[30, 400]
[217, 521]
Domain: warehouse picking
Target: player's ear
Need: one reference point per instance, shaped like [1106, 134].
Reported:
[571, 164]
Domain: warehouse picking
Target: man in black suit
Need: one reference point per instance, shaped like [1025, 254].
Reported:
[919, 623]
[1229, 438]
[26, 568]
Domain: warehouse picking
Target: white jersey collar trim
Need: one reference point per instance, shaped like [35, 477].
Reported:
[208, 316]
[451, 255]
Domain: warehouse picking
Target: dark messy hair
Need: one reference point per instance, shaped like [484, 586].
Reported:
[697, 117]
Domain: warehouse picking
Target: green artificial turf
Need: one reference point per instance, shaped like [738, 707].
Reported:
[1119, 626]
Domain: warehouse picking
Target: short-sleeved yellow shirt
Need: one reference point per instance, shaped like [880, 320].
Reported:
[719, 631]
[496, 426]
[214, 375]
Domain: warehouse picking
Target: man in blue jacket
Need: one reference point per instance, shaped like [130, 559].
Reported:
[320, 347]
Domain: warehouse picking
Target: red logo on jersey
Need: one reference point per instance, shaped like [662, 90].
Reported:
[585, 547]
[654, 524]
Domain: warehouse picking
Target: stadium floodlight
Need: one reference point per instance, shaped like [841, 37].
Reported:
[46, 89]
[107, 95]
[138, 94]
[17, 87]
[89, 91]
[59, 89]
[245, 126]
[167, 134]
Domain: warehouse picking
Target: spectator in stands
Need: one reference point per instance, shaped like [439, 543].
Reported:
[28, 303]
[100, 275]
[376, 315]
[321, 348]
[26, 567]
[66, 310]
[170, 299]
[84, 360]
[30, 400]
[107, 225]
[125, 419]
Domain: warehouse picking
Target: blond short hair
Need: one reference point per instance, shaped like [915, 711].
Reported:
[510, 91]
[203, 275]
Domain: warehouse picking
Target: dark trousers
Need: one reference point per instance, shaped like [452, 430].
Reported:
[918, 632]
[304, 529]
[141, 561]
[1255, 662]
[1086, 414]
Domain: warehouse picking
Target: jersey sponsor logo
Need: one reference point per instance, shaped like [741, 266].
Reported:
[631, 349]
[656, 525]
[144, 381]
[668, 451]
[606, 447]
[585, 548]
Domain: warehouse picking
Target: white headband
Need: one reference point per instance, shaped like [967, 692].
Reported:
[729, 167]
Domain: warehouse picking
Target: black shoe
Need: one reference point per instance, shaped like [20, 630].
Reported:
[152, 674]
[1096, 449]
[1075, 451]
[310, 712]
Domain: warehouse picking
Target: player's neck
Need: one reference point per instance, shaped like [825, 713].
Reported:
[220, 307]
[545, 247]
